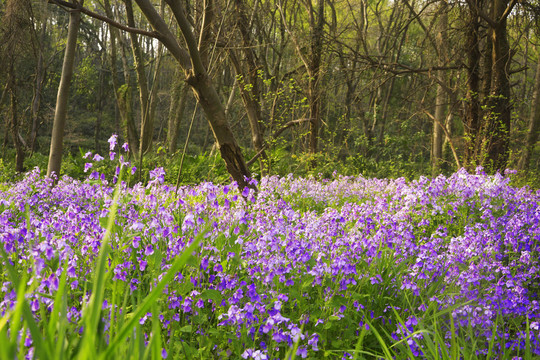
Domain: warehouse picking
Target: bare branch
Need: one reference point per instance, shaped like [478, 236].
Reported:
[109, 21]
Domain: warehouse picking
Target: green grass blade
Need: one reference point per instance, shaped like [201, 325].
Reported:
[384, 346]
[37, 338]
[93, 310]
[152, 297]
[56, 319]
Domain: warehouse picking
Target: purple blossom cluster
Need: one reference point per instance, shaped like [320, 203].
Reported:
[309, 264]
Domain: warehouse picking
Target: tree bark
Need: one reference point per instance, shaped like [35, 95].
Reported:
[176, 112]
[248, 92]
[472, 104]
[497, 137]
[534, 122]
[55, 155]
[198, 79]
[147, 123]
[211, 104]
[251, 95]
[123, 94]
[441, 98]
[314, 93]
[38, 88]
[14, 120]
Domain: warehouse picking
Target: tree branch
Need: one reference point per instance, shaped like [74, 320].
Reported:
[185, 27]
[109, 21]
[167, 37]
[508, 10]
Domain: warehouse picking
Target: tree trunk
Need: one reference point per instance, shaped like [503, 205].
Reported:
[147, 123]
[252, 106]
[178, 105]
[55, 155]
[14, 120]
[441, 98]
[472, 105]
[38, 88]
[210, 102]
[251, 95]
[125, 105]
[122, 94]
[534, 122]
[497, 137]
[198, 79]
[99, 111]
[314, 93]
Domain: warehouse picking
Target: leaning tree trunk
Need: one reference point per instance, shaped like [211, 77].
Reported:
[211, 104]
[198, 79]
[55, 155]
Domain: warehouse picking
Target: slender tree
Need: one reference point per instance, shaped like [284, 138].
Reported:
[57, 139]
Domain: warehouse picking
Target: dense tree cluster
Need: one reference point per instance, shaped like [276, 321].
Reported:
[455, 82]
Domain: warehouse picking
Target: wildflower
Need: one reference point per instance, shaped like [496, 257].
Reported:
[112, 141]
[149, 250]
[98, 157]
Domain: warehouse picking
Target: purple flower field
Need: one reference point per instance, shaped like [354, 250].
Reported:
[347, 267]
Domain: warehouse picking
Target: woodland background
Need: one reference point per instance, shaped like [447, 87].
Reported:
[219, 88]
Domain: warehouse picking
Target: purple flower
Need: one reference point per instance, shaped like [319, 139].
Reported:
[254, 354]
[302, 352]
[34, 305]
[149, 250]
[125, 147]
[87, 166]
[112, 142]
[313, 341]
[98, 157]
[87, 155]
[157, 175]
[71, 271]
[142, 265]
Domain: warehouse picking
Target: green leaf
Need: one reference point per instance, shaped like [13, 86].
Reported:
[186, 329]
[103, 222]
[212, 294]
